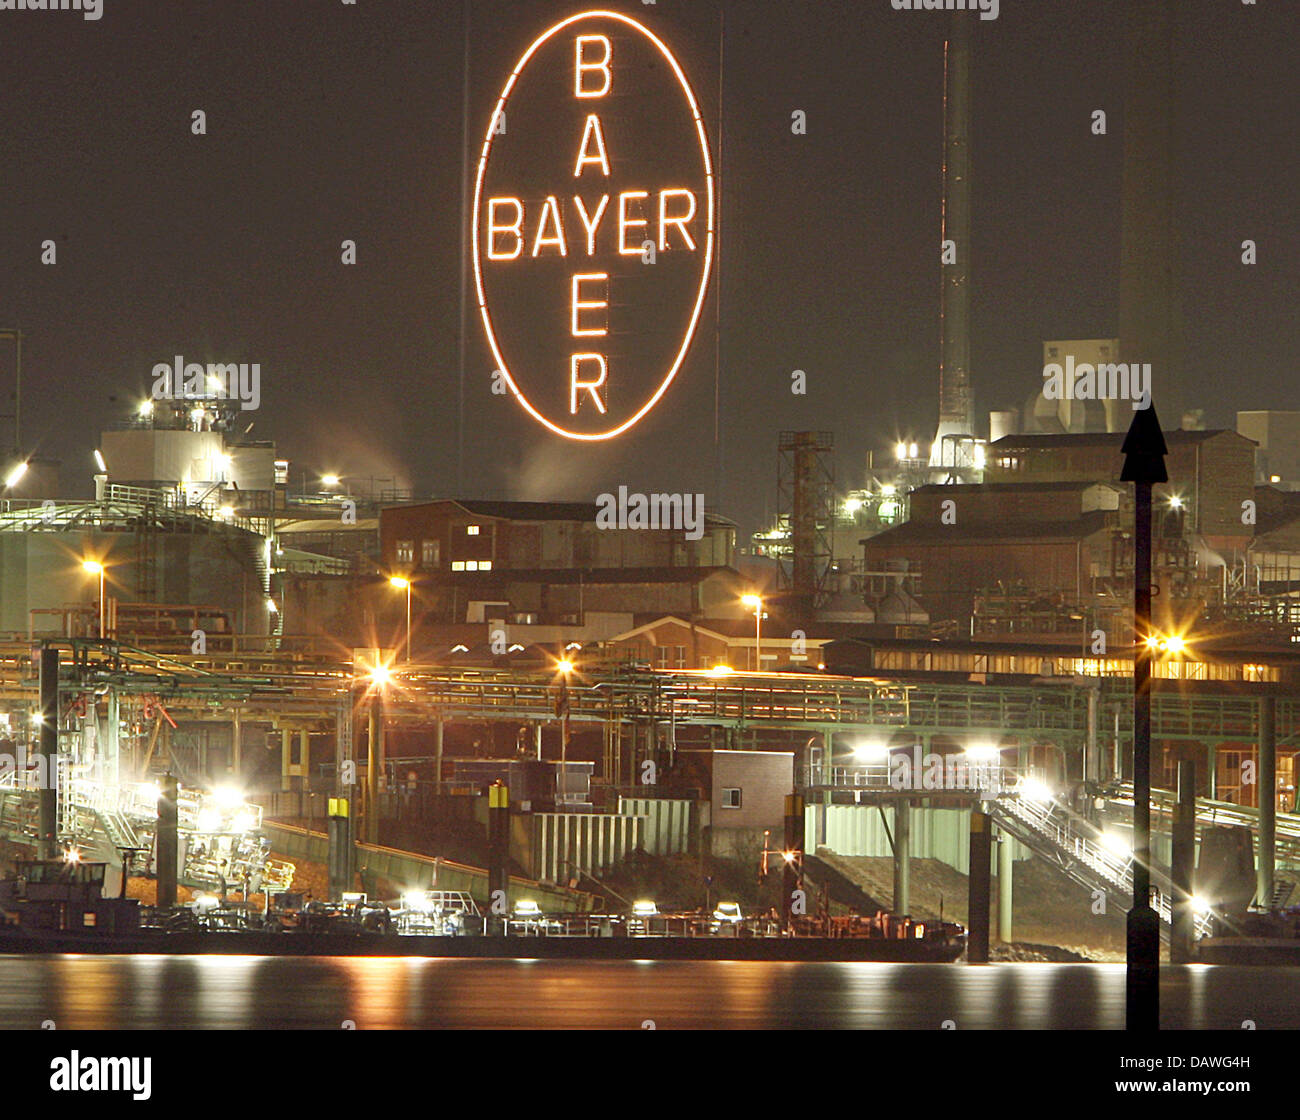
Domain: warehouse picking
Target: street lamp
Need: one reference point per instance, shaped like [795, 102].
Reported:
[564, 667]
[403, 584]
[755, 603]
[95, 568]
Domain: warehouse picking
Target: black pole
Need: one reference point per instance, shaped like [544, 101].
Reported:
[981, 856]
[1267, 778]
[340, 847]
[1144, 450]
[499, 846]
[1184, 860]
[166, 842]
[47, 796]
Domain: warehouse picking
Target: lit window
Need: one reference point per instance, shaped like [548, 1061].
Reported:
[731, 798]
[471, 565]
[471, 530]
[458, 565]
[485, 565]
[405, 552]
[429, 553]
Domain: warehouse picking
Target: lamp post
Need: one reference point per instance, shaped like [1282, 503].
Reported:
[94, 567]
[755, 602]
[565, 667]
[404, 584]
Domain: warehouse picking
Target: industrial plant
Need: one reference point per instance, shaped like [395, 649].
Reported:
[1020, 685]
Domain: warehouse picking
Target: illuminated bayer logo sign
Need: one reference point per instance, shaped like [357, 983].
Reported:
[593, 225]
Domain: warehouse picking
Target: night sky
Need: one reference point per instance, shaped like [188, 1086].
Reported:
[328, 121]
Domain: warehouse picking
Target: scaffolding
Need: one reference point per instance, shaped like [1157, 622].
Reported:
[806, 512]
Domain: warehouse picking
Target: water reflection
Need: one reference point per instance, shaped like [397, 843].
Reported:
[174, 993]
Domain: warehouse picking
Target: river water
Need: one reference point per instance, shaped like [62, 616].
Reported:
[174, 993]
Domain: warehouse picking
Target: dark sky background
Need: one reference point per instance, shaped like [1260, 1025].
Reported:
[329, 121]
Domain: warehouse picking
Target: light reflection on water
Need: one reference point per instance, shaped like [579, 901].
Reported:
[177, 992]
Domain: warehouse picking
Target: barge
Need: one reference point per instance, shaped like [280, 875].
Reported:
[51, 908]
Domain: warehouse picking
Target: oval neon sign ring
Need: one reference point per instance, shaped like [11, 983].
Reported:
[593, 234]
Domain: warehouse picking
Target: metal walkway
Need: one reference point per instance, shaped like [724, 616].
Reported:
[1079, 849]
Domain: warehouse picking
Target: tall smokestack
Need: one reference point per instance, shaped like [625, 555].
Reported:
[956, 406]
[1149, 315]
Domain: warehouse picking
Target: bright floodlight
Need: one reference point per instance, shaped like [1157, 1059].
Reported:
[1201, 905]
[15, 475]
[228, 797]
[94, 567]
[329, 480]
[911, 450]
[380, 674]
[1031, 789]
[400, 582]
[982, 751]
[271, 607]
[752, 601]
[564, 665]
[867, 752]
[900, 451]
[852, 505]
[1175, 502]
[1116, 843]
[99, 461]
[1175, 644]
[146, 408]
[721, 670]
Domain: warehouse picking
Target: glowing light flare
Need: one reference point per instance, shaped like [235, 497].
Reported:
[1031, 789]
[582, 89]
[1113, 842]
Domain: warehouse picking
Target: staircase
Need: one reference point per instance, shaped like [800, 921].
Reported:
[1076, 847]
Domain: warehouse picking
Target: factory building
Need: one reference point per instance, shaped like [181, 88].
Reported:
[1211, 473]
[552, 564]
[1277, 435]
